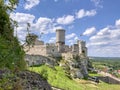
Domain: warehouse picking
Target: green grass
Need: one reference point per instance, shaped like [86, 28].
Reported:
[94, 74]
[105, 86]
[58, 78]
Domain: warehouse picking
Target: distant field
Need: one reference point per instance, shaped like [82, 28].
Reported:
[105, 58]
[101, 62]
[57, 78]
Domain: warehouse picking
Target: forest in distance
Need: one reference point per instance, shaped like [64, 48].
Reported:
[105, 58]
[107, 64]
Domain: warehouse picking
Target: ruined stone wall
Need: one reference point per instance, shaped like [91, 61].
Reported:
[69, 55]
[38, 42]
[37, 50]
[52, 50]
[75, 48]
[82, 48]
[45, 50]
[68, 48]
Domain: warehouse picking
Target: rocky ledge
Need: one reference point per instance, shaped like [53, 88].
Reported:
[22, 80]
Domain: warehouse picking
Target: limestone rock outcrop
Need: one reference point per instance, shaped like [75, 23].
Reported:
[76, 66]
[22, 80]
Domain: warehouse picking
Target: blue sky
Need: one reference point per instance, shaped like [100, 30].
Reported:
[98, 21]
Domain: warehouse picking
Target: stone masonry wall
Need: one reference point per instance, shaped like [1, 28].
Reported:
[37, 50]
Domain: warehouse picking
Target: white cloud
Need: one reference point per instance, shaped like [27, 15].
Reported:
[97, 3]
[69, 36]
[98, 43]
[89, 31]
[82, 13]
[42, 24]
[68, 19]
[65, 20]
[46, 25]
[71, 42]
[103, 31]
[52, 40]
[22, 20]
[110, 36]
[117, 22]
[76, 38]
[63, 0]
[31, 3]
[105, 42]
[56, 27]
[91, 13]
[109, 51]
[22, 17]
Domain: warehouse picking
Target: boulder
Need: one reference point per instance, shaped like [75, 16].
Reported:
[23, 80]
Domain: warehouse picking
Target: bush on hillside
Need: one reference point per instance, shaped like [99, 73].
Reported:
[11, 54]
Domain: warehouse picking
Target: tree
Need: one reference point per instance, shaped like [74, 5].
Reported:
[6, 28]
[11, 53]
[30, 38]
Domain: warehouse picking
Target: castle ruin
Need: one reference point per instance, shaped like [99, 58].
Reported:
[73, 57]
[59, 48]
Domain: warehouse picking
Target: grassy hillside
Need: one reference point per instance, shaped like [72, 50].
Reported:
[58, 78]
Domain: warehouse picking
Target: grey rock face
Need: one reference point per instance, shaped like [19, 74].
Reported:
[39, 59]
[77, 66]
[23, 80]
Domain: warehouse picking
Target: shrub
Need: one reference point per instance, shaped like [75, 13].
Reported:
[11, 54]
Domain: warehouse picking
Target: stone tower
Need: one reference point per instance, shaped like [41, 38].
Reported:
[60, 40]
[82, 48]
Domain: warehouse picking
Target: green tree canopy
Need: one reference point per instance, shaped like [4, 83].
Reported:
[11, 53]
